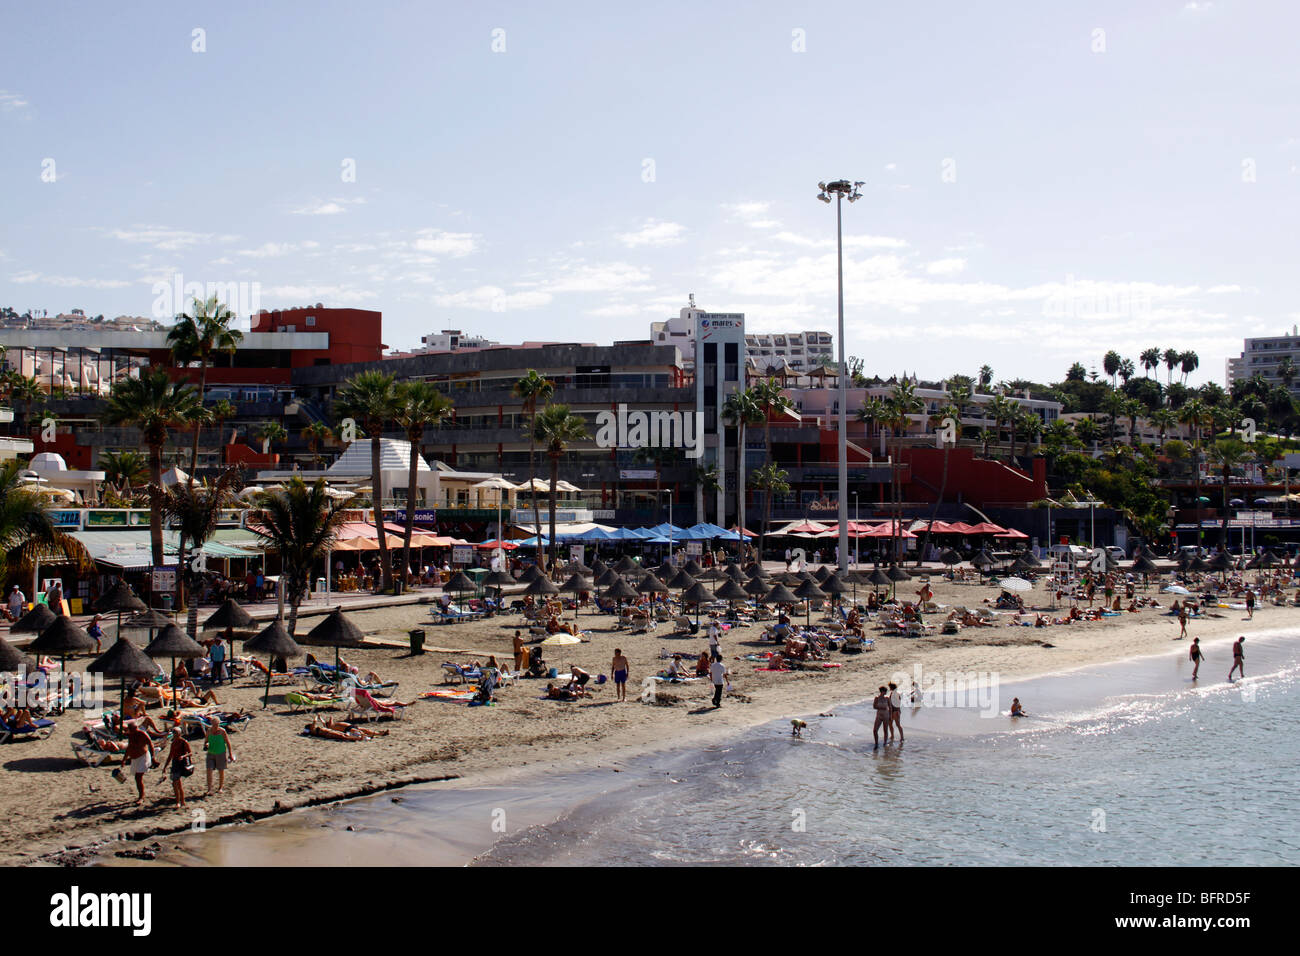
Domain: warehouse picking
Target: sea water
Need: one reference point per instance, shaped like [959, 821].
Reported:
[1126, 763]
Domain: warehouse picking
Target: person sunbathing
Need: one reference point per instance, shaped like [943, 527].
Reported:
[702, 665]
[19, 718]
[318, 729]
[559, 693]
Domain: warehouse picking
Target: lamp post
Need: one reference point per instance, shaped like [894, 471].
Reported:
[843, 189]
[857, 541]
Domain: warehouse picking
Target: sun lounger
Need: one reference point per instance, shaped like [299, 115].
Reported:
[39, 729]
[456, 671]
[298, 701]
[365, 707]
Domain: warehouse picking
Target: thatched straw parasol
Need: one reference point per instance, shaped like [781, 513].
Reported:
[172, 642]
[230, 616]
[273, 641]
[809, 591]
[119, 597]
[35, 621]
[123, 660]
[334, 631]
[13, 660]
[626, 565]
[696, 594]
[576, 585]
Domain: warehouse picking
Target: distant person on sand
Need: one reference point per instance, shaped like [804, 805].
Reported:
[1194, 652]
[1250, 605]
[96, 630]
[181, 760]
[718, 673]
[1182, 622]
[620, 667]
[219, 751]
[17, 601]
[1238, 658]
[881, 704]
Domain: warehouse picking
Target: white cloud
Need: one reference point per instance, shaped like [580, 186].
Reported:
[327, 207]
[68, 282]
[12, 102]
[601, 277]
[752, 214]
[653, 233]
[946, 267]
[335, 295]
[437, 242]
[850, 242]
[163, 237]
[490, 298]
[274, 250]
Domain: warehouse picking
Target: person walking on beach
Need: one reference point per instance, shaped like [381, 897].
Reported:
[715, 651]
[217, 656]
[881, 704]
[1195, 653]
[96, 631]
[896, 710]
[139, 754]
[17, 601]
[718, 674]
[219, 750]
[619, 666]
[181, 759]
[1250, 605]
[1238, 658]
[1182, 622]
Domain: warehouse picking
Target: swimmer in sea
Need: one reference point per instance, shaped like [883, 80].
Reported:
[1016, 709]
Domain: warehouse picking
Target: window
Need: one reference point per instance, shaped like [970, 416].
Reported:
[311, 321]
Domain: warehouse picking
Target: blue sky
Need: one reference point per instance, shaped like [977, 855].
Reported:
[1043, 181]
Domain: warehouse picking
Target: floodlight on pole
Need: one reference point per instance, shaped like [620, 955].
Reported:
[842, 189]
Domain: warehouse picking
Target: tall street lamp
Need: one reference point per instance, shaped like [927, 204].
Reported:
[843, 189]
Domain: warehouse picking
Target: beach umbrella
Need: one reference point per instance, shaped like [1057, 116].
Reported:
[834, 585]
[755, 587]
[123, 660]
[1221, 562]
[780, 594]
[172, 642]
[809, 592]
[499, 579]
[119, 597]
[273, 641]
[460, 583]
[620, 591]
[681, 581]
[734, 572]
[665, 571]
[36, 620]
[334, 631]
[732, 592]
[821, 574]
[606, 578]
[560, 640]
[896, 574]
[598, 567]
[575, 567]
[229, 616]
[1015, 584]
[1199, 565]
[692, 567]
[626, 565]
[541, 586]
[1176, 589]
[878, 579]
[531, 574]
[652, 585]
[61, 638]
[696, 594]
[950, 557]
[13, 660]
[576, 585]
[150, 620]
[983, 559]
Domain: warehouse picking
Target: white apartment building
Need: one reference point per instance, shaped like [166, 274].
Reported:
[799, 351]
[1262, 357]
[454, 340]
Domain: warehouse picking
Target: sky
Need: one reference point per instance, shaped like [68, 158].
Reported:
[1042, 182]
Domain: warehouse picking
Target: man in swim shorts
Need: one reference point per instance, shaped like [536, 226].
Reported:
[619, 666]
[1238, 658]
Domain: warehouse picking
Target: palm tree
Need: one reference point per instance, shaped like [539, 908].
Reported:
[1110, 364]
[740, 410]
[706, 482]
[1188, 361]
[1087, 431]
[1076, 373]
[1150, 359]
[1132, 409]
[772, 401]
[1114, 407]
[195, 512]
[123, 468]
[985, 377]
[770, 479]
[221, 412]
[1004, 410]
[1196, 413]
[985, 436]
[300, 524]
[270, 433]
[1226, 454]
[534, 390]
[953, 411]
[873, 412]
[1163, 419]
[902, 404]
[557, 428]
[371, 398]
[198, 337]
[420, 406]
[1172, 357]
[316, 434]
[1031, 426]
[1286, 371]
[154, 404]
[28, 533]
[1126, 370]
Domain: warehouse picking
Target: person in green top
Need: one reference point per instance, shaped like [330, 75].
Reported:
[219, 750]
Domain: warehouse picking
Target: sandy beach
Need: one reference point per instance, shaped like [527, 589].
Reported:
[58, 809]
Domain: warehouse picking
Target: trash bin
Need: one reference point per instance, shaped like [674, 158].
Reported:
[167, 603]
[320, 586]
[417, 641]
[397, 586]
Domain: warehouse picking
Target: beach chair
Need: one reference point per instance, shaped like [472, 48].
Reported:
[452, 670]
[299, 702]
[38, 729]
[365, 707]
[643, 626]
[683, 625]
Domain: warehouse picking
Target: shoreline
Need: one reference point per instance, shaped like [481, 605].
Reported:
[634, 730]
